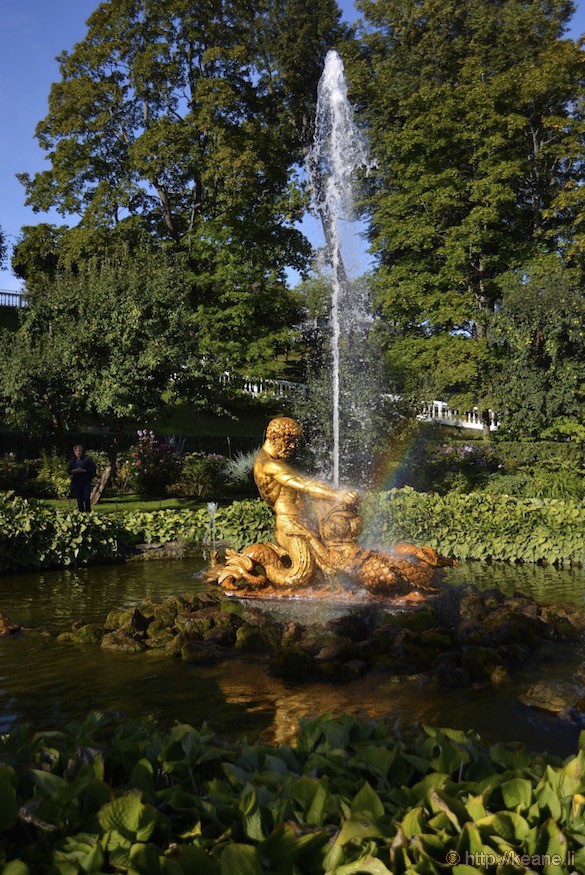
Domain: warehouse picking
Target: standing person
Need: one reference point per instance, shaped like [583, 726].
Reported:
[82, 469]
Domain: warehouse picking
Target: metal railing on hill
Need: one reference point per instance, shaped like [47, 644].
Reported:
[12, 299]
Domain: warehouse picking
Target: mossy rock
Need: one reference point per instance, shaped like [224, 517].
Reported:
[130, 619]
[159, 637]
[381, 642]
[175, 645]
[122, 641]
[449, 672]
[341, 670]
[224, 636]
[316, 637]
[437, 638]
[166, 613]
[66, 638]
[197, 623]
[148, 606]
[292, 634]
[358, 626]
[91, 633]
[386, 663]
[249, 637]
[552, 696]
[341, 649]
[505, 626]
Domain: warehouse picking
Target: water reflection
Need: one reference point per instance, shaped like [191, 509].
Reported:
[47, 683]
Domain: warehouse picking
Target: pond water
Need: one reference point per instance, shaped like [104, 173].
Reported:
[47, 683]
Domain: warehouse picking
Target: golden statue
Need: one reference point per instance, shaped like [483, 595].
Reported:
[303, 555]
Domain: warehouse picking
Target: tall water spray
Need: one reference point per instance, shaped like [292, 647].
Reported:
[338, 150]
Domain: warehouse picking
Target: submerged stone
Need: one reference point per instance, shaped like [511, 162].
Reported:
[553, 696]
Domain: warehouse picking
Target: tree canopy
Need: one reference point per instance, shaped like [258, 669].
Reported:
[474, 110]
[540, 329]
[182, 125]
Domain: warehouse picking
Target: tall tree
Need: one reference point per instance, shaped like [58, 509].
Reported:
[188, 121]
[540, 334]
[188, 115]
[473, 108]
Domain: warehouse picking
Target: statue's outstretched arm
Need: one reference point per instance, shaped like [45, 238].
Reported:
[290, 478]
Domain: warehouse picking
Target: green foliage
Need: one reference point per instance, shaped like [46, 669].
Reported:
[348, 798]
[200, 476]
[52, 479]
[33, 535]
[479, 525]
[100, 343]
[538, 454]
[15, 475]
[36, 536]
[474, 112]
[195, 140]
[565, 485]
[466, 526]
[539, 333]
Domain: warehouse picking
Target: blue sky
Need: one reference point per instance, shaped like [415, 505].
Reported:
[32, 33]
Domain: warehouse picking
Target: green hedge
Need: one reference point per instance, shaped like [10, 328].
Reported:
[33, 535]
[479, 526]
[348, 798]
[466, 526]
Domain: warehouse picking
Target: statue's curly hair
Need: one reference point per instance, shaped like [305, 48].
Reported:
[283, 428]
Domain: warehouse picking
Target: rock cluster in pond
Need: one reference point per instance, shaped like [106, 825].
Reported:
[464, 637]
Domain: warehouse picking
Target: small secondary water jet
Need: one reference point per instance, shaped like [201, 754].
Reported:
[211, 534]
[338, 150]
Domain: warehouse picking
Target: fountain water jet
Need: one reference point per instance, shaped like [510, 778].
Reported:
[338, 150]
[317, 525]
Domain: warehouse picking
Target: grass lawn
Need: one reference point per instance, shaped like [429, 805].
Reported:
[129, 503]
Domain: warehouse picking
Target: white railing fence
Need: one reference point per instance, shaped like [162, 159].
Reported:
[260, 386]
[435, 411]
[12, 299]
[476, 419]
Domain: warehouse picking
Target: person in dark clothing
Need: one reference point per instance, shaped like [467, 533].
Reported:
[82, 469]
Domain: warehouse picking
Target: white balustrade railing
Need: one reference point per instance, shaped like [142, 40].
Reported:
[476, 419]
[12, 299]
[261, 386]
[435, 411]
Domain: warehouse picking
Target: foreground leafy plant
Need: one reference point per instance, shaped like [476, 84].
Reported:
[348, 798]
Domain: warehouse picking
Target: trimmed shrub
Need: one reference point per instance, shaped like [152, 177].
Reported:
[479, 526]
[200, 476]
